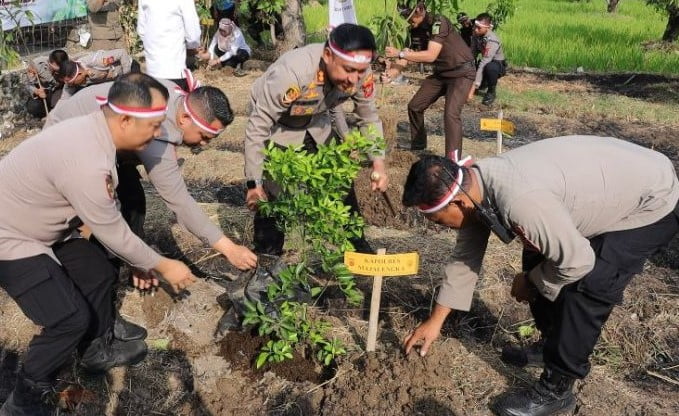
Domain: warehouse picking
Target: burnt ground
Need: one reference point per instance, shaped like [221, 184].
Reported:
[191, 370]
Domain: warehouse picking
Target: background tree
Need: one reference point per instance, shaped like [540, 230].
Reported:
[671, 7]
[612, 5]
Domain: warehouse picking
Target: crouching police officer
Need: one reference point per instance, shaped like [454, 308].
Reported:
[586, 231]
[50, 185]
[194, 118]
[492, 64]
[290, 105]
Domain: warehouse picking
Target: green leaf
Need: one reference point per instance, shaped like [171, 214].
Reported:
[526, 331]
[261, 359]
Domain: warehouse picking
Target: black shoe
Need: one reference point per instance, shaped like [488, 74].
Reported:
[488, 99]
[553, 394]
[127, 331]
[523, 356]
[29, 398]
[106, 352]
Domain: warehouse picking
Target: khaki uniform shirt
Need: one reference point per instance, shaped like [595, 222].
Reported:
[455, 59]
[292, 98]
[57, 176]
[490, 48]
[159, 158]
[101, 66]
[43, 74]
[104, 19]
[556, 194]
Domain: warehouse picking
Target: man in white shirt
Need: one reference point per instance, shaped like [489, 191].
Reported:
[167, 29]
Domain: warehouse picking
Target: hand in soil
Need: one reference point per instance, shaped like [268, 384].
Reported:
[241, 257]
[379, 181]
[176, 273]
[144, 280]
[522, 289]
[253, 197]
[426, 332]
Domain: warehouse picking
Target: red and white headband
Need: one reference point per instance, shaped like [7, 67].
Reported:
[198, 120]
[77, 72]
[139, 112]
[479, 24]
[349, 56]
[192, 84]
[452, 191]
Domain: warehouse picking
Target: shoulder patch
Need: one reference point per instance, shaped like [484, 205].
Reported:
[108, 60]
[368, 86]
[109, 187]
[436, 28]
[291, 94]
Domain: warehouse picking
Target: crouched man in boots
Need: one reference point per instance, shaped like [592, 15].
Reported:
[589, 212]
[50, 185]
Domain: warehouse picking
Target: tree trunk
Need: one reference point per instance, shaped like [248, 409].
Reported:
[612, 6]
[272, 30]
[672, 30]
[293, 27]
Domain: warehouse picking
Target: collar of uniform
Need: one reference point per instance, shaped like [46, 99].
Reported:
[170, 132]
[103, 134]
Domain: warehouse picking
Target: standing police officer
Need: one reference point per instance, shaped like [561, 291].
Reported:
[589, 211]
[290, 104]
[50, 185]
[492, 65]
[452, 78]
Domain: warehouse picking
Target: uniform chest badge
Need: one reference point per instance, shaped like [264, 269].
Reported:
[368, 86]
[108, 60]
[291, 94]
[320, 77]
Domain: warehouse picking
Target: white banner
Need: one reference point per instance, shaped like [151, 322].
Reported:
[341, 11]
[39, 11]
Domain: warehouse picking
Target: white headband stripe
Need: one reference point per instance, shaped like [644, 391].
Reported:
[133, 111]
[446, 199]
[199, 121]
[479, 24]
[77, 72]
[349, 56]
[191, 82]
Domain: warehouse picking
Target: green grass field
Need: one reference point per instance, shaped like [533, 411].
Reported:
[558, 35]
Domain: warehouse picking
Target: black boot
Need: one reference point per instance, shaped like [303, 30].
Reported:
[553, 394]
[523, 356]
[127, 331]
[489, 98]
[29, 398]
[106, 352]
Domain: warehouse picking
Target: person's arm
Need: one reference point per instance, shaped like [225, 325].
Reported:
[160, 163]
[366, 110]
[545, 224]
[458, 286]
[191, 23]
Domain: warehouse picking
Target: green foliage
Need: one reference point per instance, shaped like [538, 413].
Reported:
[501, 10]
[128, 20]
[390, 30]
[313, 187]
[267, 9]
[12, 10]
[526, 331]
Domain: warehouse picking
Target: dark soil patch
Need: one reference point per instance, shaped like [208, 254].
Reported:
[241, 350]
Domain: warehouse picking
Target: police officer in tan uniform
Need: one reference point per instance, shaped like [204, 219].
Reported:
[452, 78]
[492, 64]
[45, 86]
[105, 27]
[193, 119]
[290, 105]
[589, 212]
[50, 185]
[94, 68]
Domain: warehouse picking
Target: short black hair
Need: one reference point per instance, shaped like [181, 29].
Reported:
[406, 8]
[58, 56]
[430, 179]
[351, 37]
[211, 103]
[462, 17]
[67, 68]
[485, 18]
[134, 89]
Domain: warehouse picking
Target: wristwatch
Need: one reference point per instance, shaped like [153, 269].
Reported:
[402, 54]
[253, 183]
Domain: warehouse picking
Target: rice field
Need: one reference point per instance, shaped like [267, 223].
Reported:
[558, 35]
